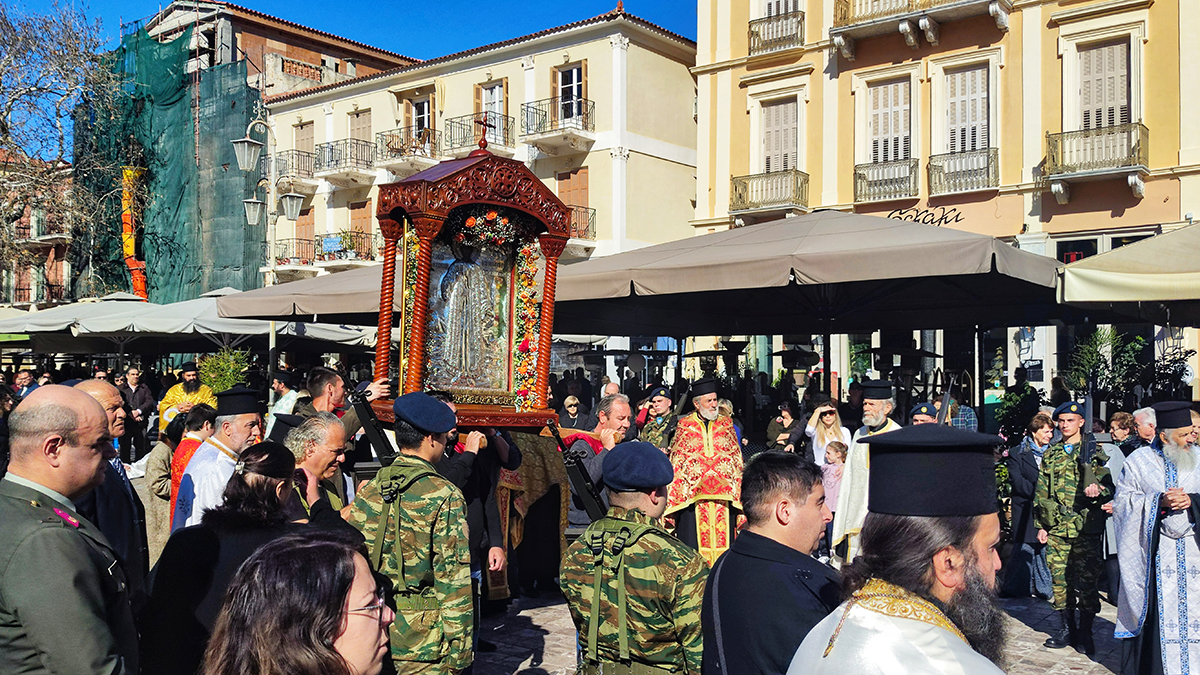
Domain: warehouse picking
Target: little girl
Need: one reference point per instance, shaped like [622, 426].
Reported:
[831, 478]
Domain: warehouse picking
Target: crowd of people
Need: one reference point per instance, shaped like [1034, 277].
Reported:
[824, 538]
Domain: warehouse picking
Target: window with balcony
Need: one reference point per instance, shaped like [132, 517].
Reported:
[420, 115]
[569, 86]
[968, 161]
[302, 135]
[780, 187]
[492, 98]
[891, 172]
[780, 27]
[360, 125]
[572, 190]
[360, 225]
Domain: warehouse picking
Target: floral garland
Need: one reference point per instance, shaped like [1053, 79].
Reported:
[525, 321]
[489, 228]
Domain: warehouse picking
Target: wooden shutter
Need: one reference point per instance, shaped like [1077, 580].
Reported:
[306, 224]
[781, 7]
[573, 187]
[360, 217]
[1104, 85]
[889, 116]
[478, 99]
[504, 91]
[360, 125]
[780, 133]
[304, 137]
[967, 109]
[408, 113]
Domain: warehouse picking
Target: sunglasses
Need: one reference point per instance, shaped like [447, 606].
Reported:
[828, 413]
[572, 405]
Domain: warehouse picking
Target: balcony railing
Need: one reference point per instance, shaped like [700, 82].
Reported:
[556, 114]
[295, 251]
[886, 180]
[1115, 147]
[348, 153]
[464, 132]
[22, 294]
[407, 142]
[964, 171]
[583, 222]
[288, 164]
[766, 190]
[346, 245]
[776, 32]
[850, 12]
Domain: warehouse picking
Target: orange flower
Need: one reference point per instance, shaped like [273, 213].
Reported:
[471, 221]
[491, 215]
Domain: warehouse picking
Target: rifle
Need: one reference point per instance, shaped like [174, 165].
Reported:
[375, 435]
[581, 482]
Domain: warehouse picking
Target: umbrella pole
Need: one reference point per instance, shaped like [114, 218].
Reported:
[979, 386]
[271, 361]
[828, 339]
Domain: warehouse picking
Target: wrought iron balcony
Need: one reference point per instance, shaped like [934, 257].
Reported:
[407, 150]
[345, 162]
[778, 190]
[295, 251]
[289, 164]
[964, 171]
[583, 223]
[346, 245]
[1122, 150]
[462, 134]
[886, 180]
[914, 19]
[556, 125]
[774, 33]
[22, 294]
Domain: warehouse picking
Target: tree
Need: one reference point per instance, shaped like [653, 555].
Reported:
[1107, 365]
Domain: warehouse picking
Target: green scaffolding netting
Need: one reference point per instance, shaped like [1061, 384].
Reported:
[177, 127]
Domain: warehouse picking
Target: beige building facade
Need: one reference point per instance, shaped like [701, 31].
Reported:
[600, 109]
[1067, 128]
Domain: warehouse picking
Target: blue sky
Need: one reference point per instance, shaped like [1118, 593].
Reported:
[419, 29]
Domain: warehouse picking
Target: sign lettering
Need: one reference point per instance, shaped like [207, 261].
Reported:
[936, 216]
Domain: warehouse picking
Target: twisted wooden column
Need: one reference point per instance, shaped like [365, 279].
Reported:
[552, 248]
[392, 231]
[427, 228]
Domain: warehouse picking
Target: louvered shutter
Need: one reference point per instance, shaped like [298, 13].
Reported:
[890, 120]
[967, 109]
[1104, 85]
[780, 134]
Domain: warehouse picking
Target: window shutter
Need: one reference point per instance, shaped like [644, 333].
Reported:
[478, 99]
[1104, 85]
[306, 224]
[408, 113]
[504, 90]
[770, 138]
[583, 92]
[967, 109]
[890, 138]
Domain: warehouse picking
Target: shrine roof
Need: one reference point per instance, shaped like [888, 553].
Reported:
[445, 168]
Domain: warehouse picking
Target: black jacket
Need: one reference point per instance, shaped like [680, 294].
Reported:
[119, 514]
[769, 597]
[477, 476]
[1023, 474]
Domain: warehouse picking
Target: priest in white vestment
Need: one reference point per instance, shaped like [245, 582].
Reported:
[878, 402]
[1156, 508]
[923, 587]
[237, 427]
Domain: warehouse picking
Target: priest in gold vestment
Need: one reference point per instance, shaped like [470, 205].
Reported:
[180, 398]
[705, 498]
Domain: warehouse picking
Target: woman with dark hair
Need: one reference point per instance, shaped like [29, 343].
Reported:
[302, 605]
[189, 582]
[1027, 573]
[781, 427]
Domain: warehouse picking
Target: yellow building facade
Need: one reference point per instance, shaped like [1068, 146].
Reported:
[600, 109]
[1067, 127]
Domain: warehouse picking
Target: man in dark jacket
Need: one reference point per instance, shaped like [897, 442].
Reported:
[139, 404]
[767, 591]
[1027, 573]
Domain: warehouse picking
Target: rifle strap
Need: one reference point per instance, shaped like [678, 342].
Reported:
[626, 533]
[393, 481]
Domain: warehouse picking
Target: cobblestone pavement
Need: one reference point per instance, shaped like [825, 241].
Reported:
[536, 636]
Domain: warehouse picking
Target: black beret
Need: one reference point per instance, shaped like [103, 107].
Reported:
[1074, 408]
[924, 409]
[932, 470]
[189, 367]
[659, 391]
[636, 465]
[283, 425]
[424, 412]
[877, 390]
[1172, 415]
[237, 400]
[704, 386]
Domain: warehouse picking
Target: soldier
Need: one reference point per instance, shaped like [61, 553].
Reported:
[635, 591]
[1073, 483]
[414, 524]
[659, 426]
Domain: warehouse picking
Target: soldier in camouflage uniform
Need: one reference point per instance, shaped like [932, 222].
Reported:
[659, 428]
[635, 591]
[414, 522]
[1073, 484]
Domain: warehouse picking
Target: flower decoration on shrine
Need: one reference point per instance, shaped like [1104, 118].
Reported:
[526, 318]
[487, 227]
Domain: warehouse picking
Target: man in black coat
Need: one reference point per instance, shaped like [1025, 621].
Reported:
[767, 591]
[1027, 573]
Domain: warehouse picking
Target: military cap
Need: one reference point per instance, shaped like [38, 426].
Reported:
[924, 409]
[932, 470]
[1073, 407]
[704, 386]
[283, 425]
[189, 367]
[1172, 415]
[636, 465]
[237, 400]
[424, 412]
[878, 390]
[659, 391]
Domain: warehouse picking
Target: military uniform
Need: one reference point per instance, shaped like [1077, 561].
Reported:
[659, 431]
[641, 613]
[1073, 521]
[414, 524]
[64, 600]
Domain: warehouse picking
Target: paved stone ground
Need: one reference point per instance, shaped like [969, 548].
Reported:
[536, 636]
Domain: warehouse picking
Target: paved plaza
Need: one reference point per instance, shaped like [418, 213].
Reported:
[536, 635]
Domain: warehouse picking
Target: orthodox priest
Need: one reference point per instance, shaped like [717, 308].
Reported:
[705, 497]
[180, 398]
[878, 403]
[1156, 509]
[922, 593]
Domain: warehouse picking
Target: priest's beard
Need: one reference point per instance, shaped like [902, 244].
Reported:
[1182, 456]
[191, 386]
[709, 415]
[976, 613]
[874, 418]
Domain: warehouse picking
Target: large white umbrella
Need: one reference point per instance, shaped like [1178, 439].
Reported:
[62, 318]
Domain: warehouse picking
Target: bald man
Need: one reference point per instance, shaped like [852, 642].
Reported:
[114, 507]
[64, 603]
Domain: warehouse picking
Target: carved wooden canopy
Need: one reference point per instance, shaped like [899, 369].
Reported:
[480, 178]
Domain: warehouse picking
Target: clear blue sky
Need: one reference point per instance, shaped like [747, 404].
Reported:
[419, 29]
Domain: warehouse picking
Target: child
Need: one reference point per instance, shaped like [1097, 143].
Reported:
[831, 478]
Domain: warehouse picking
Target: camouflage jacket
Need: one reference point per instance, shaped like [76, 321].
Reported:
[1059, 505]
[659, 431]
[424, 552]
[663, 591]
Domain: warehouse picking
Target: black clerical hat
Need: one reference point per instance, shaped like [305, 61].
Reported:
[932, 470]
[1172, 415]
[237, 400]
[704, 386]
[283, 425]
[879, 390]
[285, 377]
[189, 367]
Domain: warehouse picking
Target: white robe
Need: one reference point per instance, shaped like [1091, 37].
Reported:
[852, 494]
[1176, 564]
[203, 484]
[875, 643]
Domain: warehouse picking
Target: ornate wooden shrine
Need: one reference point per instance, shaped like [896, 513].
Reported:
[480, 237]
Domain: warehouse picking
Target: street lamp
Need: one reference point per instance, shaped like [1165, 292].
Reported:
[292, 201]
[254, 210]
[247, 150]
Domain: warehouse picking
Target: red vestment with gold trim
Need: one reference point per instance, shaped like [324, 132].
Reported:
[708, 474]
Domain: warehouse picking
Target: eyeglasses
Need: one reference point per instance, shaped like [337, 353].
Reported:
[828, 413]
[378, 606]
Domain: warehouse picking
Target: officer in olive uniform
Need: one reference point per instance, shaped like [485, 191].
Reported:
[64, 601]
[1073, 484]
[659, 429]
[414, 522]
[635, 591]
